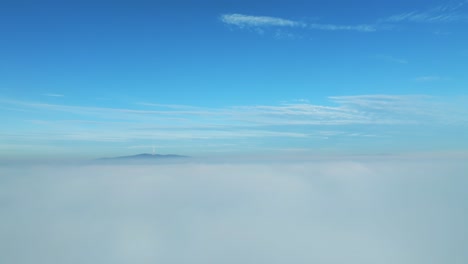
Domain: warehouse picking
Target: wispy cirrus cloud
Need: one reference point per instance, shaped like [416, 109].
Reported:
[439, 14]
[241, 21]
[347, 110]
[54, 95]
[391, 59]
[176, 122]
[332, 27]
[259, 22]
[427, 78]
[430, 78]
[181, 128]
[387, 105]
[408, 109]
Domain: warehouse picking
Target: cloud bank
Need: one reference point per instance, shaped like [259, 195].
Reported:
[367, 210]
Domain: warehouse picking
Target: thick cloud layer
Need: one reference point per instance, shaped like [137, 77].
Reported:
[336, 211]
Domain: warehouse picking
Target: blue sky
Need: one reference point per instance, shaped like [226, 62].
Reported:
[93, 78]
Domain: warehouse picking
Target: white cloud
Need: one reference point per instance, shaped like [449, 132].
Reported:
[340, 210]
[440, 14]
[429, 78]
[244, 21]
[422, 17]
[378, 100]
[409, 108]
[391, 59]
[54, 95]
[176, 123]
[331, 27]
[258, 21]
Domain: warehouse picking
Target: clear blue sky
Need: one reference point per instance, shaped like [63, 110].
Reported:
[93, 78]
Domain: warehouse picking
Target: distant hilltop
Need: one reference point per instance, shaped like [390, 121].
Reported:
[146, 156]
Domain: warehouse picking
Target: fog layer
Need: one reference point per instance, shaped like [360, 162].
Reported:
[337, 211]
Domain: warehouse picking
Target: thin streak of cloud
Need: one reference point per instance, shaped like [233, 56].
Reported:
[331, 27]
[105, 135]
[429, 78]
[105, 112]
[414, 109]
[173, 106]
[54, 95]
[423, 17]
[440, 14]
[258, 22]
[384, 103]
[391, 59]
